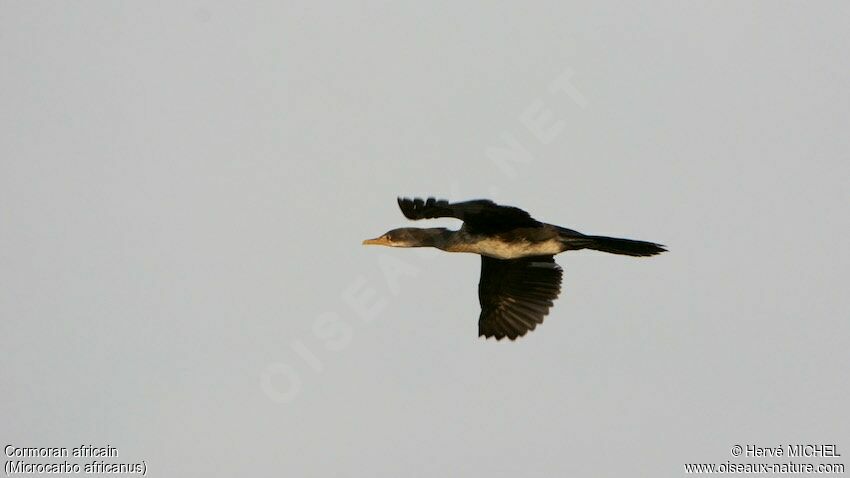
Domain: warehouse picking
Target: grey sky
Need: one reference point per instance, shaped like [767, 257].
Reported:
[184, 189]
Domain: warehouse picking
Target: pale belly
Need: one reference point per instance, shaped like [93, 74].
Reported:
[509, 250]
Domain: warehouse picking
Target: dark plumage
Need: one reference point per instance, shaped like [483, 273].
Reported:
[519, 278]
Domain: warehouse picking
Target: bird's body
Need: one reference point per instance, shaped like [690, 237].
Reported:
[500, 247]
[519, 277]
[512, 244]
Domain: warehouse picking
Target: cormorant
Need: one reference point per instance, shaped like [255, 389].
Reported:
[519, 276]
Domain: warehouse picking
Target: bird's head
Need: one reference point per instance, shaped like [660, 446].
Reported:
[406, 237]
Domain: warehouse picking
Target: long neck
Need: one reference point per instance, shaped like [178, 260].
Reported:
[438, 237]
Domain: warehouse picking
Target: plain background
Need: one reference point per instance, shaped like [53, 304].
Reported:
[184, 188]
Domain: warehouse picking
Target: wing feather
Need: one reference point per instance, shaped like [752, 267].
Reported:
[516, 294]
[481, 216]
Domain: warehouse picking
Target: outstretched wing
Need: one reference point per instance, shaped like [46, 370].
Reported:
[480, 216]
[516, 294]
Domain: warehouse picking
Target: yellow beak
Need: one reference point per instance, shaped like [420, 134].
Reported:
[378, 241]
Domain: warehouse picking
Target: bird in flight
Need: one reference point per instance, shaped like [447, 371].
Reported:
[519, 277]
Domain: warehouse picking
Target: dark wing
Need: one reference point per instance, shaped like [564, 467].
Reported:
[516, 294]
[480, 216]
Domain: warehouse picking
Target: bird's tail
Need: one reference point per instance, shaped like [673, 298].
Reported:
[614, 245]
